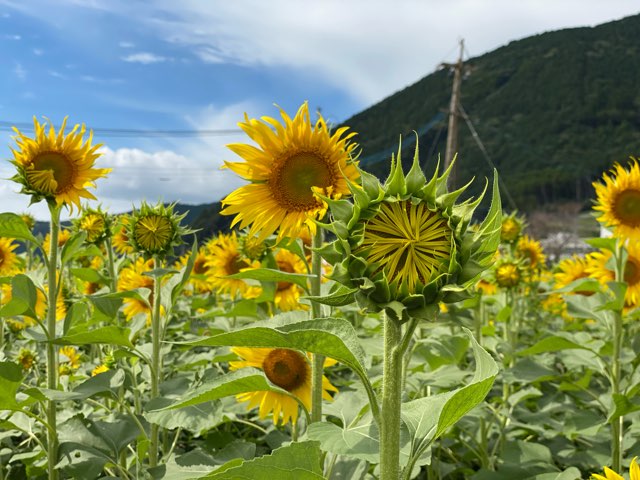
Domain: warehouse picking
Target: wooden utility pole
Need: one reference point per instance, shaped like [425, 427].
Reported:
[452, 130]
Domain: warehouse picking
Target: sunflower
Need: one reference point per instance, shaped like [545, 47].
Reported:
[598, 269]
[508, 274]
[63, 236]
[198, 278]
[290, 165]
[289, 370]
[512, 226]
[96, 223]
[531, 251]
[29, 220]
[26, 358]
[485, 287]
[57, 167]
[9, 261]
[634, 473]
[570, 270]
[411, 243]
[99, 369]
[70, 360]
[120, 239]
[287, 293]
[130, 278]
[618, 199]
[224, 259]
[155, 230]
[252, 248]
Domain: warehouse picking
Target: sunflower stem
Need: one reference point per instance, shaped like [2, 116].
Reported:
[52, 357]
[317, 365]
[156, 366]
[112, 269]
[391, 400]
[617, 430]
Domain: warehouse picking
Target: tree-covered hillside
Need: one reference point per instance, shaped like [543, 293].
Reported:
[553, 111]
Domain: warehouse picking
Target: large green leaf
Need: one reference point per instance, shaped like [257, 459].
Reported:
[558, 343]
[272, 275]
[23, 298]
[12, 226]
[108, 383]
[195, 418]
[361, 442]
[10, 380]
[86, 334]
[428, 418]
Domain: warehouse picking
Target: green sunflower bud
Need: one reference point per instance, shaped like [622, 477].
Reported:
[96, 223]
[155, 230]
[405, 246]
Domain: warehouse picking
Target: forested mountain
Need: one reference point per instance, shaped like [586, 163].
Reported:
[553, 111]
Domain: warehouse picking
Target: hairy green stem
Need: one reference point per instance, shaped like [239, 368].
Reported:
[391, 401]
[317, 365]
[111, 265]
[156, 363]
[52, 357]
[617, 429]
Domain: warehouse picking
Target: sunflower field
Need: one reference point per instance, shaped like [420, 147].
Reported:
[346, 329]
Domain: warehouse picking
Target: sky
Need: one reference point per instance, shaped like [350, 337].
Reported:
[132, 70]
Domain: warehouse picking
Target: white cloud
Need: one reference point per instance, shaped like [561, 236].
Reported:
[38, 52]
[56, 74]
[145, 58]
[13, 37]
[20, 71]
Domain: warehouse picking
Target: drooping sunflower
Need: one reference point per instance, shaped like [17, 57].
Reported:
[531, 251]
[57, 167]
[570, 270]
[289, 370]
[634, 473]
[292, 162]
[598, 268]
[618, 199]
[9, 261]
[404, 246]
[288, 294]
[224, 259]
[130, 278]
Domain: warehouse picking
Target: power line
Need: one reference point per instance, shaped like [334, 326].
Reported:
[130, 132]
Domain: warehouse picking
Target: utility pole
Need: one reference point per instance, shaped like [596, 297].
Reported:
[452, 130]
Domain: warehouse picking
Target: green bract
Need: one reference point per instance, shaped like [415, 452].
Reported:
[155, 230]
[406, 245]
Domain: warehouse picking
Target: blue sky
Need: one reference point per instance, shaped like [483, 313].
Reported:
[199, 65]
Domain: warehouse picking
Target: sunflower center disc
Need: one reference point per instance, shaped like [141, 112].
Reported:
[1, 257]
[285, 368]
[632, 272]
[199, 266]
[296, 177]
[61, 167]
[234, 264]
[627, 207]
[153, 232]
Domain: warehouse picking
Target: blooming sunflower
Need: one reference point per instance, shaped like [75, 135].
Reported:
[618, 199]
[634, 473]
[508, 274]
[287, 293]
[531, 251]
[58, 167]
[293, 162]
[224, 259]
[26, 358]
[130, 278]
[570, 270]
[9, 261]
[598, 269]
[289, 370]
[198, 278]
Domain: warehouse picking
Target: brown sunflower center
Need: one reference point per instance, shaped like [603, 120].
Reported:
[287, 369]
[291, 183]
[234, 264]
[632, 272]
[1, 257]
[284, 266]
[626, 207]
[200, 266]
[61, 168]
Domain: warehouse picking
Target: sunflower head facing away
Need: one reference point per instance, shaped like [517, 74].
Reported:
[292, 163]
[96, 223]
[404, 246]
[618, 200]
[289, 370]
[155, 230]
[56, 167]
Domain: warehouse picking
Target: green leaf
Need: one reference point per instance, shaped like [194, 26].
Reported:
[428, 418]
[297, 461]
[86, 334]
[72, 247]
[108, 382]
[622, 405]
[12, 226]
[196, 419]
[272, 275]
[88, 275]
[361, 442]
[554, 344]
[77, 313]
[10, 381]
[186, 273]
[24, 297]
[341, 296]
[619, 290]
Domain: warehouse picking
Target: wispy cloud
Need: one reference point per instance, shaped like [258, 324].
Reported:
[10, 36]
[38, 52]
[56, 74]
[20, 71]
[126, 44]
[145, 58]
